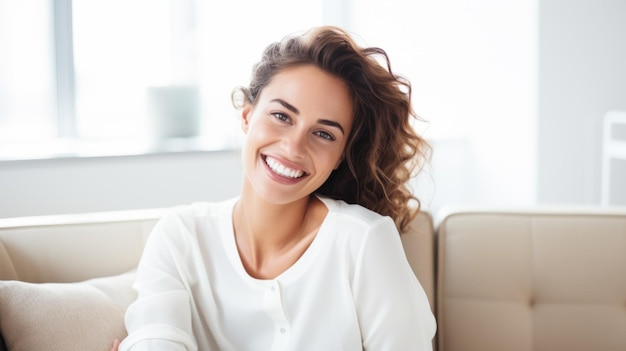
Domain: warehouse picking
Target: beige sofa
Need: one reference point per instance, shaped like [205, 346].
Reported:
[497, 280]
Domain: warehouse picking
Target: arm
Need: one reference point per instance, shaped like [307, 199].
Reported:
[393, 309]
[160, 318]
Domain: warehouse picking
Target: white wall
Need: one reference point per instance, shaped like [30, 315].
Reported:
[42, 187]
[473, 68]
[582, 75]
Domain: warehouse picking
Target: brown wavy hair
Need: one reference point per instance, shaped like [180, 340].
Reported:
[383, 151]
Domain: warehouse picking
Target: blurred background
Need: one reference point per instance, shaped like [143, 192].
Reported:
[125, 104]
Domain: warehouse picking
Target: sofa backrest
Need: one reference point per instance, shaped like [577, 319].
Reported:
[419, 245]
[532, 280]
[71, 248]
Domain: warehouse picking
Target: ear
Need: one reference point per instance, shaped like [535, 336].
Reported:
[245, 117]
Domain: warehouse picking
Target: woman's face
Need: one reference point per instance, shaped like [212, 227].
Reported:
[295, 133]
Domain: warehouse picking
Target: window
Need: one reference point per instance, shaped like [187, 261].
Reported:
[27, 92]
[111, 72]
[120, 49]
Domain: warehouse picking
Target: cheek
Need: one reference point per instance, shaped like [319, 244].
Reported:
[257, 137]
[330, 160]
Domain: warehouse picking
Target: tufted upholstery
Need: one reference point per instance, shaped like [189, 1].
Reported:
[535, 280]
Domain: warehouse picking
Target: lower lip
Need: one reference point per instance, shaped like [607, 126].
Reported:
[278, 178]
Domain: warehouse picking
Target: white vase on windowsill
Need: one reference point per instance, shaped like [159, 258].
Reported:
[173, 111]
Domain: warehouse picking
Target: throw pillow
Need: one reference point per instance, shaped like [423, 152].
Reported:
[79, 316]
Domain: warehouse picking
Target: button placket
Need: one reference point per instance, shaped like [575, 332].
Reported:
[273, 305]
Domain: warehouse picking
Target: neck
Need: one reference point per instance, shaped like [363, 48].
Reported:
[269, 224]
[271, 237]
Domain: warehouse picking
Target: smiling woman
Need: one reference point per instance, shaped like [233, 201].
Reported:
[295, 127]
[297, 259]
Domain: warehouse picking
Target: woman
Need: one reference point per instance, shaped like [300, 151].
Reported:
[308, 256]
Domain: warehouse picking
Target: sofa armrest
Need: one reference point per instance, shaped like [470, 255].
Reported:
[7, 271]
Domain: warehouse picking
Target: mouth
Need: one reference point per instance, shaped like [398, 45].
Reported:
[283, 170]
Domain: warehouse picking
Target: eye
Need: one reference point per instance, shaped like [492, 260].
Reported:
[325, 135]
[281, 116]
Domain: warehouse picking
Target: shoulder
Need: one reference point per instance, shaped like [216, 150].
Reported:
[360, 235]
[355, 216]
[188, 218]
[201, 210]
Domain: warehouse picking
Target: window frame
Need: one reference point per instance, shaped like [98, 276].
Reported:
[64, 69]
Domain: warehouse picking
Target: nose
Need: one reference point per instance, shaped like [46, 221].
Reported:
[294, 143]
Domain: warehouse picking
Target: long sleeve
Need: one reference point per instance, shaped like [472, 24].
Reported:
[393, 309]
[160, 318]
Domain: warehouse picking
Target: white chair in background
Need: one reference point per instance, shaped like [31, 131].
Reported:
[613, 148]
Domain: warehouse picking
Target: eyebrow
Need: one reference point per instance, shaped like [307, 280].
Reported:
[331, 123]
[287, 105]
[293, 109]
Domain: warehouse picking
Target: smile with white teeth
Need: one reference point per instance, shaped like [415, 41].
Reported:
[280, 169]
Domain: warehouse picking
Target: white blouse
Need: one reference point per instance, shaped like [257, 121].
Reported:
[352, 289]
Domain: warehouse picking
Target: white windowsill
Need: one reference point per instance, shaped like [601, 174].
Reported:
[75, 148]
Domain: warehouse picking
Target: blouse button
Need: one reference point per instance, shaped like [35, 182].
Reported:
[283, 330]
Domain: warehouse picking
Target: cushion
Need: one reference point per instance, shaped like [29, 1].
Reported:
[87, 315]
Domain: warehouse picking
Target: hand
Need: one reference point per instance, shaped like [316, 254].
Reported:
[116, 345]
